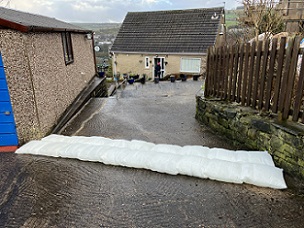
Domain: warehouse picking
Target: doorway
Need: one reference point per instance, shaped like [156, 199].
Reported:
[8, 134]
[161, 61]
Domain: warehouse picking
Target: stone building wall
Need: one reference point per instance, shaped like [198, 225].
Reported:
[41, 85]
[258, 131]
[135, 63]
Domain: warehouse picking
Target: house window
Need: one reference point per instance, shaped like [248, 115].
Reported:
[147, 62]
[67, 47]
[190, 65]
[301, 26]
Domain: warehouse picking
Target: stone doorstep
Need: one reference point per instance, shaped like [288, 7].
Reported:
[5, 149]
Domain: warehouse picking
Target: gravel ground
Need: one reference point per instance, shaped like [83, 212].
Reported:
[39, 191]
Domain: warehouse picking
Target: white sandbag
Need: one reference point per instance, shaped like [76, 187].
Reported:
[201, 151]
[256, 157]
[193, 166]
[141, 145]
[78, 139]
[226, 155]
[224, 171]
[32, 147]
[89, 153]
[197, 161]
[166, 148]
[163, 162]
[263, 176]
[138, 159]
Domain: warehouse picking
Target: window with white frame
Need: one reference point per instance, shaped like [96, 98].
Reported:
[147, 62]
[191, 65]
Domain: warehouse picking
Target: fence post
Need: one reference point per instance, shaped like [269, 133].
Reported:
[231, 65]
[208, 73]
[240, 77]
[273, 56]
[257, 74]
[263, 74]
[252, 60]
[291, 77]
[299, 93]
[235, 72]
[229, 72]
[225, 71]
[246, 73]
[215, 70]
[219, 71]
[285, 77]
[279, 75]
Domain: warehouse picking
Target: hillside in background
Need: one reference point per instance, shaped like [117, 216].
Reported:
[104, 36]
[231, 17]
[107, 28]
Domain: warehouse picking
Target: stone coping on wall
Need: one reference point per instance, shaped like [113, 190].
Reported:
[95, 86]
[257, 130]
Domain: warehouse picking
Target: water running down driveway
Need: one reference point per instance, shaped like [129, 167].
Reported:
[53, 192]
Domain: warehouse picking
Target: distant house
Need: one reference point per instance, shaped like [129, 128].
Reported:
[46, 64]
[176, 39]
[293, 15]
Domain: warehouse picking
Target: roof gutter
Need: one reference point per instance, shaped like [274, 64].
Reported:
[23, 28]
[12, 25]
[160, 53]
[49, 29]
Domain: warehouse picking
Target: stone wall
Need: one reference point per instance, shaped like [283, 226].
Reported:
[258, 131]
[41, 86]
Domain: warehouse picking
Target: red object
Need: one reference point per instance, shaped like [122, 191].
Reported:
[8, 148]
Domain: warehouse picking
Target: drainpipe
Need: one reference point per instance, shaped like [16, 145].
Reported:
[29, 48]
[94, 55]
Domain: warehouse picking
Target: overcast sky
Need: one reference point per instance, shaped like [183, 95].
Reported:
[106, 10]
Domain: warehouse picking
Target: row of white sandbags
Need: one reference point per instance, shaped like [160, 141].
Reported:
[168, 159]
[256, 157]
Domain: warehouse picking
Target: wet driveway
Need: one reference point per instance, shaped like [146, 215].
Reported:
[52, 192]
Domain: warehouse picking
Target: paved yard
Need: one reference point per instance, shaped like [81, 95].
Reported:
[53, 192]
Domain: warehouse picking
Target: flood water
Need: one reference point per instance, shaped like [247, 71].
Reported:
[39, 191]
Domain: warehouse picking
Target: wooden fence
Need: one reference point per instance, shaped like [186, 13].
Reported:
[266, 75]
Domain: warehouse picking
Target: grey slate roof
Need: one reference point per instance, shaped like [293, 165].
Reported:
[176, 31]
[26, 22]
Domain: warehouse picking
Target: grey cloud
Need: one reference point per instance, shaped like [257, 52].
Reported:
[112, 10]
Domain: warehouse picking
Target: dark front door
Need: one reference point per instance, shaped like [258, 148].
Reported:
[8, 135]
[161, 62]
